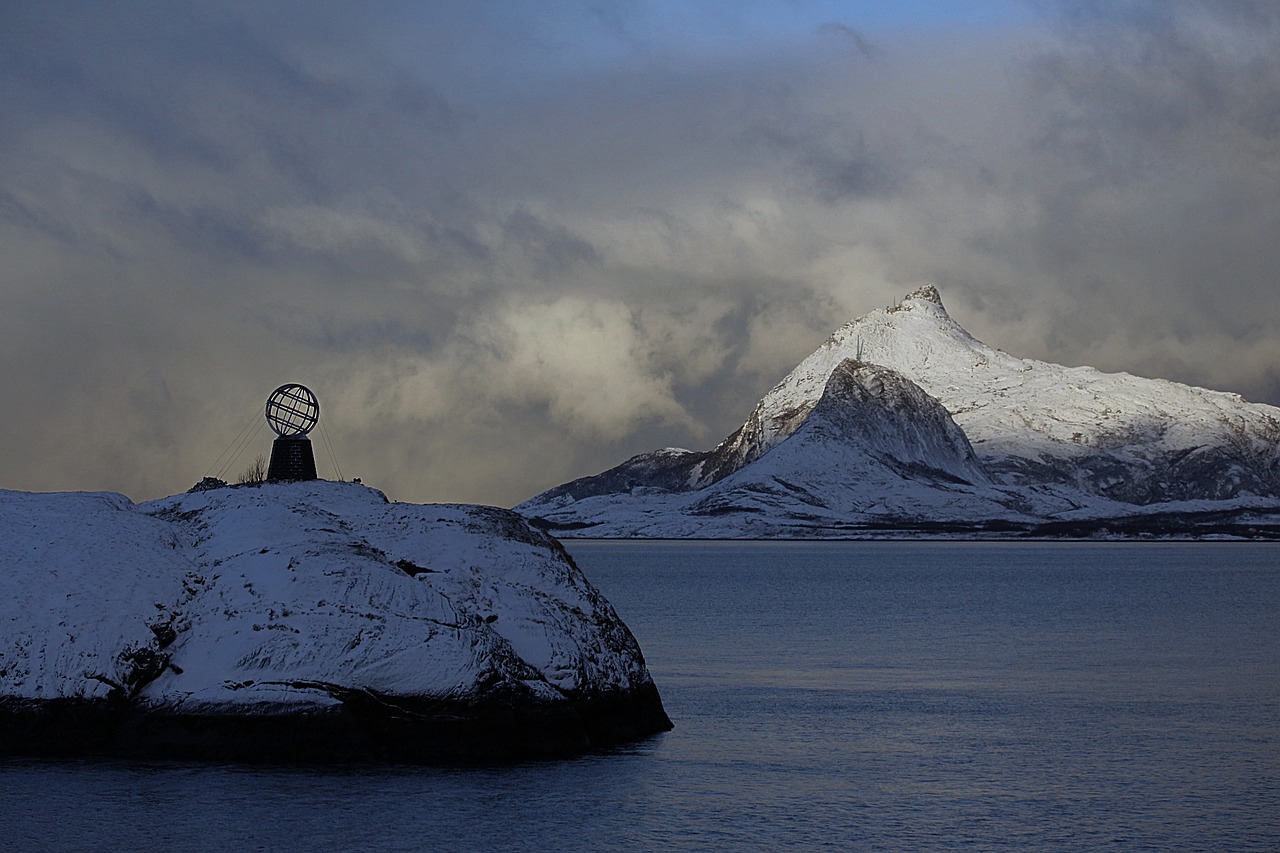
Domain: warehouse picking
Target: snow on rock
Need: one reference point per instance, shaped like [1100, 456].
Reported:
[874, 444]
[1123, 437]
[1025, 443]
[83, 578]
[319, 599]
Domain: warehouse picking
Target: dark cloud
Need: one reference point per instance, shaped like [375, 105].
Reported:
[851, 172]
[425, 106]
[510, 245]
[1138, 84]
[550, 249]
[854, 38]
[1156, 178]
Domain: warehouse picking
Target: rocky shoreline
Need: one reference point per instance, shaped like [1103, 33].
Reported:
[374, 729]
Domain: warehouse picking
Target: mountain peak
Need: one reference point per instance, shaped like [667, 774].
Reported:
[924, 298]
[928, 293]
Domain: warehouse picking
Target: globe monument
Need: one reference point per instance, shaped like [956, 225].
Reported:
[292, 411]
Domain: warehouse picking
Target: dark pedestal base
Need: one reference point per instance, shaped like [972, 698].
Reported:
[291, 459]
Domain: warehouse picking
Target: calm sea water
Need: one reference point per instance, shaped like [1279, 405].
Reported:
[851, 696]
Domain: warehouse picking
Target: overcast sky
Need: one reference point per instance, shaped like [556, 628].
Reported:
[510, 243]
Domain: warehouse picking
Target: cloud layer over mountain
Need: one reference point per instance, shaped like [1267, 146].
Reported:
[509, 244]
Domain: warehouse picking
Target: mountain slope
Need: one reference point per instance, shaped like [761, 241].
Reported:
[874, 444]
[1040, 442]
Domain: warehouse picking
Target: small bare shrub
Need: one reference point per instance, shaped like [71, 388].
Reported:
[254, 474]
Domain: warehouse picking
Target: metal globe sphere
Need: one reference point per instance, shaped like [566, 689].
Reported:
[292, 410]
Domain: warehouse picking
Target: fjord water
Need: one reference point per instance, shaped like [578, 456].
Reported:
[851, 696]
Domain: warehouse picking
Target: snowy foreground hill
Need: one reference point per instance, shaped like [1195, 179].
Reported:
[303, 621]
[903, 423]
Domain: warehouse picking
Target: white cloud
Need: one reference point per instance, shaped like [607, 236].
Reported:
[586, 360]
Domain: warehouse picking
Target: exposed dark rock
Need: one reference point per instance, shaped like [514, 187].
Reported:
[364, 728]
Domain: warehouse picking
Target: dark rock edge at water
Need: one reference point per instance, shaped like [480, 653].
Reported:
[365, 728]
[1254, 524]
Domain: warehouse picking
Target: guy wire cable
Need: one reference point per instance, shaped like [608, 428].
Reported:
[248, 440]
[234, 441]
[324, 433]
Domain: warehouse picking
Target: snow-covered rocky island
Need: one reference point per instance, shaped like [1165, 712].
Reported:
[311, 621]
[902, 423]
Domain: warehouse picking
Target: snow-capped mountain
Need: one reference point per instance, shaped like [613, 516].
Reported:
[307, 620]
[1123, 437]
[1023, 442]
